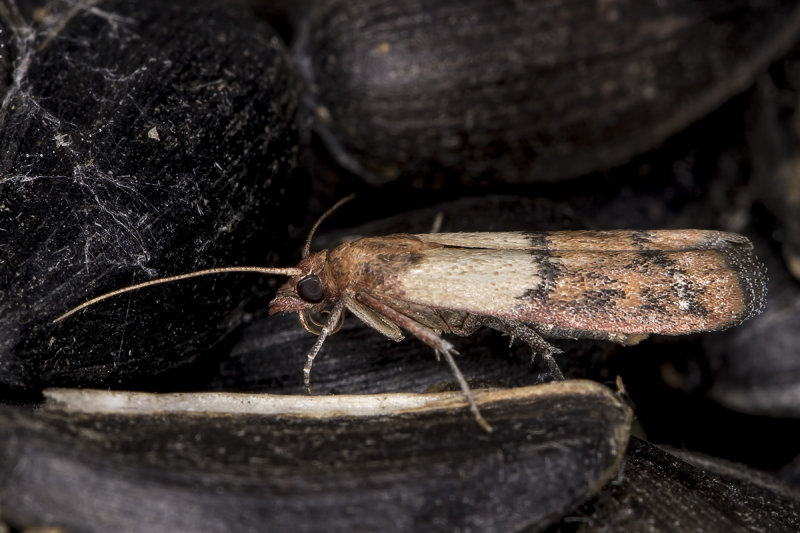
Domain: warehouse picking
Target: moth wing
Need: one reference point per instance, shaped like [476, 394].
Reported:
[591, 286]
[512, 240]
[616, 240]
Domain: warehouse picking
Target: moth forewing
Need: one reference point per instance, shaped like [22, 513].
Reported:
[619, 282]
[589, 240]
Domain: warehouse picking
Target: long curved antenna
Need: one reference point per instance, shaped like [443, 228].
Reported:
[326, 214]
[207, 272]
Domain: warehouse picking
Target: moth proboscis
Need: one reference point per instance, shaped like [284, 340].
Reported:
[616, 285]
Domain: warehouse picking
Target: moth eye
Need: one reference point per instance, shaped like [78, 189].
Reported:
[310, 289]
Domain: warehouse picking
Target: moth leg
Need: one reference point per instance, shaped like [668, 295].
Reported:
[531, 337]
[436, 227]
[330, 325]
[376, 321]
[439, 345]
[467, 324]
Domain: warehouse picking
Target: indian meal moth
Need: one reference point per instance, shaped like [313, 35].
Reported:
[617, 285]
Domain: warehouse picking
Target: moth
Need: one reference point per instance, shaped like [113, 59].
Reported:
[617, 285]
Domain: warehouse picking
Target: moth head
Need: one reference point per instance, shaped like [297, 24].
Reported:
[307, 291]
[312, 290]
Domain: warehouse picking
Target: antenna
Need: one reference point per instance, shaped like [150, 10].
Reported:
[326, 214]
[207, 272]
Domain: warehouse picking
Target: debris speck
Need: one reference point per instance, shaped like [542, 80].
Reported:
[383, 48]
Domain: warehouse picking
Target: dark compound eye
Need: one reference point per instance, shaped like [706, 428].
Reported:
[310, 289]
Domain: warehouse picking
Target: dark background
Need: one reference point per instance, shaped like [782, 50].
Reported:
[496, 116]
